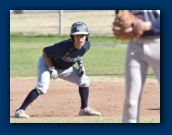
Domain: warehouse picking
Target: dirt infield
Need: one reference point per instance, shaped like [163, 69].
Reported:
[62, 98]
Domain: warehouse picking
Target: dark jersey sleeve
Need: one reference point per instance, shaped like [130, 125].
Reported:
[87, 45]
[156, 25]
[54, 50]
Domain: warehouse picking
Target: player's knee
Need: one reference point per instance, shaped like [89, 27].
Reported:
[84, 82]
[40, 92]
[41, 89]
[131, 104]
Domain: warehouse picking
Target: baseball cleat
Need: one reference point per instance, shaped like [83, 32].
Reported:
[21, 114]
[89, 112]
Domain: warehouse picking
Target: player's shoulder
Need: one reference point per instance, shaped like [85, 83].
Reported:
[87, 45]
[64, 43]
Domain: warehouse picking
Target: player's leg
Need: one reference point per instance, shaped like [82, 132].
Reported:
[71, 75]
[135, 75]
[152, 50]
[41, 88]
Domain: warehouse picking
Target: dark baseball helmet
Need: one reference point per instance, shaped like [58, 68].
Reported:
[79, 28]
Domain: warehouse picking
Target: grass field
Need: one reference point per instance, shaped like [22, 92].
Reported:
[103, 58]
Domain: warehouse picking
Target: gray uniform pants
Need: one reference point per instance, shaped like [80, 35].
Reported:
[70, 74]
[141, 54]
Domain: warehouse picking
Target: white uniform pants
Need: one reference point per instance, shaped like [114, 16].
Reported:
[141, 54]
[70, 74]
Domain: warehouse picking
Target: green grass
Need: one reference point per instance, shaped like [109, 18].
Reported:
[50, 39]
[102, 58]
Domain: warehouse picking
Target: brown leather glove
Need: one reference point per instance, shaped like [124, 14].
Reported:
[124, 20]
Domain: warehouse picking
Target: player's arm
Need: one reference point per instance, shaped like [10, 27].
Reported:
[81, 68]
[148, 26]
[145, 26]
[50, 52]
[156, 25]
[53, 72]
[47, 59]
[80, 62]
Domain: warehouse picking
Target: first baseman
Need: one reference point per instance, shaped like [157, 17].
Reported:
[142, 52]
[57, 62]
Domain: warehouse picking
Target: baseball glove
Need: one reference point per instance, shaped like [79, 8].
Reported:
[124, 20]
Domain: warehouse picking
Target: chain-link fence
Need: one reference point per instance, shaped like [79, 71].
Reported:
[50, 22]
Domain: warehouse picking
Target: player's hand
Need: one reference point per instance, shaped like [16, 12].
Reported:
[53, 72]
[145, 26]
[130, 29]
[127, 26]
[81, 71]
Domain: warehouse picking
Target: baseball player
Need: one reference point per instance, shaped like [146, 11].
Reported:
[57, 62]
[142, 52]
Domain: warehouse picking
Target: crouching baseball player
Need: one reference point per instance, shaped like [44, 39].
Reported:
[57, 62]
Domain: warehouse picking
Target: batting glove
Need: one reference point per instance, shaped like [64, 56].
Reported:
[53, 72]
[81, 71]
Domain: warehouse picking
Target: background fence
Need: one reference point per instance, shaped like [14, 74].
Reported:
[48, 21]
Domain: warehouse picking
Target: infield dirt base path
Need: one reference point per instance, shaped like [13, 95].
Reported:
[62, 99]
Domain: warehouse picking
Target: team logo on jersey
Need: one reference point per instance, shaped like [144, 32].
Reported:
[69, 59]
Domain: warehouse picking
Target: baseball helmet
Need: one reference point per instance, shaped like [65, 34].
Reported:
[79, 28]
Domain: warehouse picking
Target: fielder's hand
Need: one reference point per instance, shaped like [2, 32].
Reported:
[127, 26]
[53, 72]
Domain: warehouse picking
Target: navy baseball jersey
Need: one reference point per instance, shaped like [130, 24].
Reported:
[64, 54]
